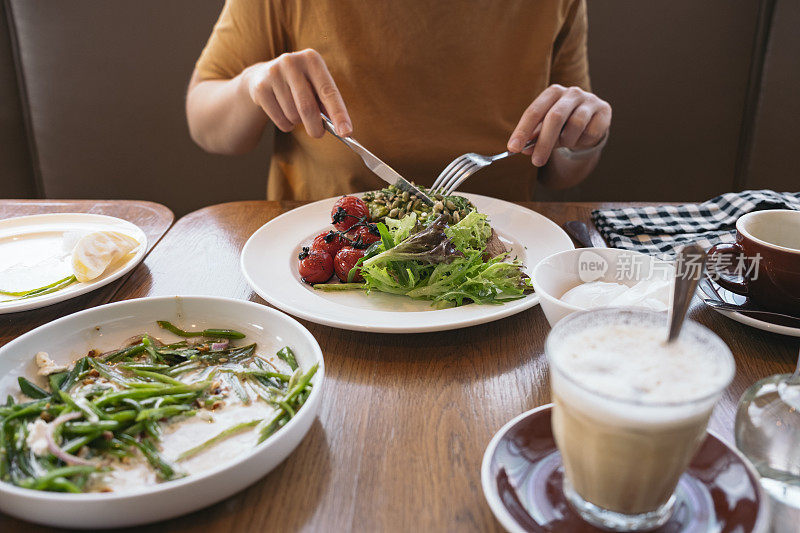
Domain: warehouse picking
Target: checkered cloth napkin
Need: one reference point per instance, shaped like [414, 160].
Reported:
[661, 230]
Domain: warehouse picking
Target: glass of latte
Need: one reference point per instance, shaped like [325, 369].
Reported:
[630, 410]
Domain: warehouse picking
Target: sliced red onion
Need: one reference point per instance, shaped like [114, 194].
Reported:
[55, 449]
[219, 345]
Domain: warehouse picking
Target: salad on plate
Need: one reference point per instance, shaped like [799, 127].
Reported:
[390, 241]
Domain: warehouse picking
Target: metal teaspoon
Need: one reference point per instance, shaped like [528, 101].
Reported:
[689, 266]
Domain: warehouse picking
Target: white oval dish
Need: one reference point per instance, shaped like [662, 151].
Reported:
[107, 327]
[36, 240]
[269, 263]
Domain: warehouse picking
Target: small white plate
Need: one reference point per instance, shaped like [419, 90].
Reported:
[736, 299]
[269, 263]
[32, 255]
[106, 327]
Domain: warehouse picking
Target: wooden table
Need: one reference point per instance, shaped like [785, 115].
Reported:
[405, 418]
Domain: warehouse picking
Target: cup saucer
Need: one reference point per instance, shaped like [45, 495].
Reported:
[715, 292]
[522, 478]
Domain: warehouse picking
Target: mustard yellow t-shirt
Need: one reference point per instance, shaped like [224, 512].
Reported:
[423, 80]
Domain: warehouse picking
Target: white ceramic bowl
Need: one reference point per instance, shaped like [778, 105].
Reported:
[106, 327]
[556, 274]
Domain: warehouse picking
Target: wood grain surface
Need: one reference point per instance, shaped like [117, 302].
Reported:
[154, 219]
[405, 419]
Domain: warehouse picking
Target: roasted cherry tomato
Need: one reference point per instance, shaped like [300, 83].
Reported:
[316, 266]
[347, 211]
[330, 242]
[345, 260]
[367, 235]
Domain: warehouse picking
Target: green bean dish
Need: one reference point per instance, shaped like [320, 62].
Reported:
[147, 412]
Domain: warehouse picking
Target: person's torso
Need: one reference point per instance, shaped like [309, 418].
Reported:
[423, 82]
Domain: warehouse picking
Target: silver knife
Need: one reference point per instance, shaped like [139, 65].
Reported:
[381, 169]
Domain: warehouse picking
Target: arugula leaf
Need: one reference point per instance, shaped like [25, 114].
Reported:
[386, 238]
[374, 249]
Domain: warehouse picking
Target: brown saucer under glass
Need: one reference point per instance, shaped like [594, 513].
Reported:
[522, 479]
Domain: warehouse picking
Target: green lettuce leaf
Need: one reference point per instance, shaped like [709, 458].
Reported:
[430, 245]
[446, 264]
[471, 233]
[441, 263]
[402, 228]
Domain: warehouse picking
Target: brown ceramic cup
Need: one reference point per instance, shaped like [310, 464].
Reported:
[765, 259]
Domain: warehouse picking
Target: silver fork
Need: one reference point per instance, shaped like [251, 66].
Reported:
[465, 166]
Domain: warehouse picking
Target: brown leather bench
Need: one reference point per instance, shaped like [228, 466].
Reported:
[16, 172]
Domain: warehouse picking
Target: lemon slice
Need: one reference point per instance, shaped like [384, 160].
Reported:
[95, 252]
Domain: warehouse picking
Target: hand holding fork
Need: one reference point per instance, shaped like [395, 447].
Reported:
[568, 118]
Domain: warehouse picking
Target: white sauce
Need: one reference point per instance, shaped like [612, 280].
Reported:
[186, 432]
[649, 294]
[125, 474]
[183, 434]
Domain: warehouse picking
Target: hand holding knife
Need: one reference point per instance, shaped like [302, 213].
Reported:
[381, 169]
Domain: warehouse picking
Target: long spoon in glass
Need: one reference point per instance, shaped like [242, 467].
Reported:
[689, 266]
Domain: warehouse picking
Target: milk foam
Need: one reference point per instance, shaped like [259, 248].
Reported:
[616, 363]
[632, 362]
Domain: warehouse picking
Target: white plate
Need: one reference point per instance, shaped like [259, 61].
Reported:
[733, 298]
[34, 245]
[269, 263]
[107, 327]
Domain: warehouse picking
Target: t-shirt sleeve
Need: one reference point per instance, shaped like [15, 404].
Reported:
[570, 62]
[247, 32]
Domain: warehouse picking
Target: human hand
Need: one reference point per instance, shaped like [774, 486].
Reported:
[563, 117]
[290, 89]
